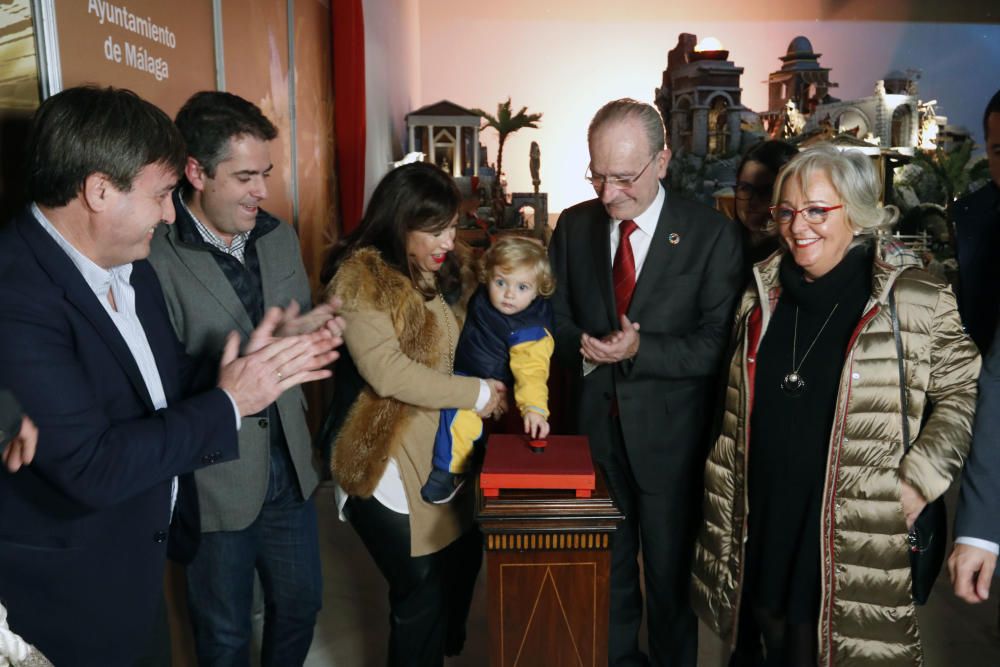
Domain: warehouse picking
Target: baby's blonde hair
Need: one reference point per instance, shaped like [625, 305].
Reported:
[517, 252]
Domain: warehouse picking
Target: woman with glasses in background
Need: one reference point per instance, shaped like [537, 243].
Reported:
[809, 490]
[753, 192]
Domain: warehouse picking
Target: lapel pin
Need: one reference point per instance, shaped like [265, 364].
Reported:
[674, 238]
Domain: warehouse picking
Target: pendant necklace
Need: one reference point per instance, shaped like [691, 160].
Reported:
[793, 384]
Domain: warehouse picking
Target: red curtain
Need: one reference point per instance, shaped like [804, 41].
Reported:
[349, 109]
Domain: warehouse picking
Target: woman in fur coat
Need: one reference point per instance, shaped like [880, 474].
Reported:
[404, 288]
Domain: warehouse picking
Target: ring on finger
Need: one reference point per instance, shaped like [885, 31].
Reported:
[279, 374]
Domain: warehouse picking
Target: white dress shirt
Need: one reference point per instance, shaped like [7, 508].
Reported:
[642, 237]
[985, 545]
[124, 315]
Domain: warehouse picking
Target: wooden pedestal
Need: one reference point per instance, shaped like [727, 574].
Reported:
[548, 564]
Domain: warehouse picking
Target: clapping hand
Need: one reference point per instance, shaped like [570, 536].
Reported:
[616, 346]
[283, 322]
[322, 315]
[255, 380]
[21, 450]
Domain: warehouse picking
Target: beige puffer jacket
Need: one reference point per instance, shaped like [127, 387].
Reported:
[867, 615]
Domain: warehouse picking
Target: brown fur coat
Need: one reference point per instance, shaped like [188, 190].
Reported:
[374, 424]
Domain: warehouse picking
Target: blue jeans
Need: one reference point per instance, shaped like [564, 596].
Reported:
[282, 546]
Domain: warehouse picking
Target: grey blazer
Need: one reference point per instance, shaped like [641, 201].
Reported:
[978, 513]
[204, 308]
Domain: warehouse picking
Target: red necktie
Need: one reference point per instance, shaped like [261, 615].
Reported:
[623, 272]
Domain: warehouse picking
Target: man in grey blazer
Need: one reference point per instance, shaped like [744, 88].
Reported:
[637, 255]
[222, 265]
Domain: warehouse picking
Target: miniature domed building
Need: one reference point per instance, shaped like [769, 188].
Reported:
[801, 79]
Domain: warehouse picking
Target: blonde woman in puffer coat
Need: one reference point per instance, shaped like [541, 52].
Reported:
[808, 493]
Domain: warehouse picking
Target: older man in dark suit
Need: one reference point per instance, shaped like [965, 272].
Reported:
[87, 346]
[635, 256]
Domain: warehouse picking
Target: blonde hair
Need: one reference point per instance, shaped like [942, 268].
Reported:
[517, 252]
[853, 176]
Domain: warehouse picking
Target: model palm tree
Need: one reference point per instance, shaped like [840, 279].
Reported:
[950, 172]
[506, 123]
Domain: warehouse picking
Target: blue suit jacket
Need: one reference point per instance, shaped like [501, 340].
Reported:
[83, 529]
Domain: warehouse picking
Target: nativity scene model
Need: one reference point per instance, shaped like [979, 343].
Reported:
[447, 135]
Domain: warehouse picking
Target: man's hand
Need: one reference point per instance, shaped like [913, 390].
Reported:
[257, 379]
[971, 570]
[21, 450]
[616, 346]
[283, 322]
[536, 425]
[322, 315]
[913, 503]
[503, 399]
[497, 404]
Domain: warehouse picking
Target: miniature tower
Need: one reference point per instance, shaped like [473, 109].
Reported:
[700, 98]
[800, 79]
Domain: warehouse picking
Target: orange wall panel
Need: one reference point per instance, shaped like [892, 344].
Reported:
[314, 129]
[163, 54]
[255, 44]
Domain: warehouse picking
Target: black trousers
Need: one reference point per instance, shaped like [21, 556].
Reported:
[662, 521]
[429, 596]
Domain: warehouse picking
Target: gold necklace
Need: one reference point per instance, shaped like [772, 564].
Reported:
[446, 311]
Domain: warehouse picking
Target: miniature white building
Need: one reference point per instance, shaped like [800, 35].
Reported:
[448, 135]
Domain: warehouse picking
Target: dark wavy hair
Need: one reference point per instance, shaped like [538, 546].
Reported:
[417, 197]
[88, 130]
[773, 154]
[993, 106]
[210, 118]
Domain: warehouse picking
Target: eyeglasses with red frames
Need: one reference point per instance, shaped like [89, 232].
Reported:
[620, 182]
[814, 215]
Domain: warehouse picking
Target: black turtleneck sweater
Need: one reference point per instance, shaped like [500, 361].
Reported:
[789, 435]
